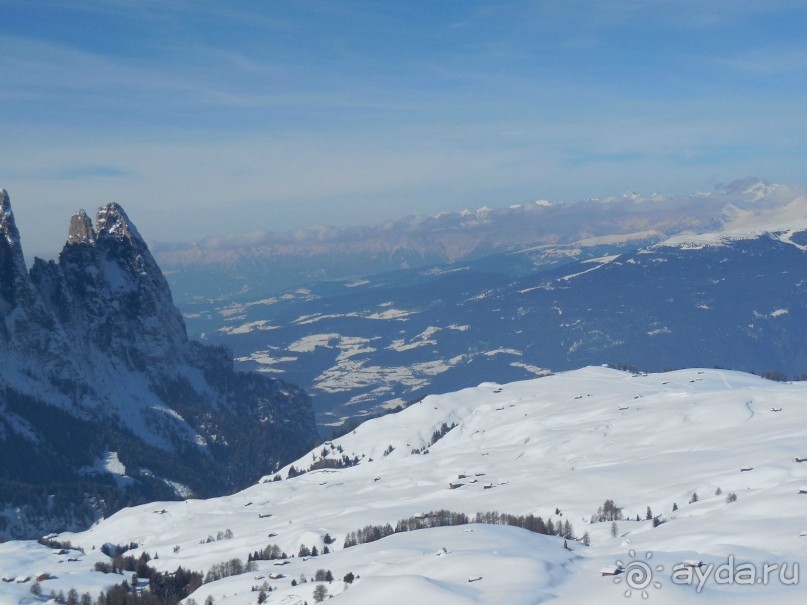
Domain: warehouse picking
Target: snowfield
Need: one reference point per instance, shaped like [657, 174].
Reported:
[558, 447]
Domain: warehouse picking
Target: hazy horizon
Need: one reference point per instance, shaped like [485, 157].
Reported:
[205, 119]
[165, 245]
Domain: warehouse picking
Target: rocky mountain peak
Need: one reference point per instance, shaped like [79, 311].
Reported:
[113, 221]
[81, 231]
[110, 285]
[14, 281]
[8, 227]
[92, 343]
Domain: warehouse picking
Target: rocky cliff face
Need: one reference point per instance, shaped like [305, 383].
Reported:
[110, 295]
[97, 367]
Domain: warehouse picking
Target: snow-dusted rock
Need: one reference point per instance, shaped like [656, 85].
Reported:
[96, 358]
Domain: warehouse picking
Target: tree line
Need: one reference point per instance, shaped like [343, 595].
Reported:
[446, 518]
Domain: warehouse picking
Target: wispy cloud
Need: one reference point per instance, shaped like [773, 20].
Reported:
[313, 110]
[768, 61]
[54, 71]
[86, 171]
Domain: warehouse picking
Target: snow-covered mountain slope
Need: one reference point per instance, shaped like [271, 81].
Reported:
[97, 366]
[558, 447]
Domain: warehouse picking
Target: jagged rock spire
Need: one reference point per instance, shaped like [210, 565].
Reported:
[112, 220]
[14, 281]
[123, 304]
[81, 231]
[25, 325]
[8, 227]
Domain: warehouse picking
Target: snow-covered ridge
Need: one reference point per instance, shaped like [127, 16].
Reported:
[698, 241]
[759, 217]
[714, 454]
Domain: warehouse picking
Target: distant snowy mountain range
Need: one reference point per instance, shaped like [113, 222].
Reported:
[263, 263]
[688, 485]
[732, 298]
[104, 401]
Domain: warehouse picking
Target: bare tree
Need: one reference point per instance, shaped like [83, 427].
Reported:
[320, 593]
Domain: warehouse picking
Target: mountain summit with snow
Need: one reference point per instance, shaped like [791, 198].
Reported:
[97, 366]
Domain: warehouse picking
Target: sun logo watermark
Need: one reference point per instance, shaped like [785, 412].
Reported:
[637, 574]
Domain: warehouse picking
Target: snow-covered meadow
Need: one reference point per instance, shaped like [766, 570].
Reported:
[558, 447]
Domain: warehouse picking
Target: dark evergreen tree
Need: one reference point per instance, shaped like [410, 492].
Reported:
[567, 530]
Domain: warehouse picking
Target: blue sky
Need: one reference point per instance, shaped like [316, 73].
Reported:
[220, 117]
